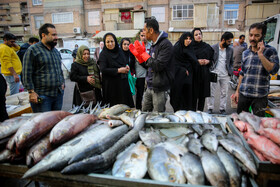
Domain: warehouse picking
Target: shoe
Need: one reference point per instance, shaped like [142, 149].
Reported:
[223, 112]
[210, 111]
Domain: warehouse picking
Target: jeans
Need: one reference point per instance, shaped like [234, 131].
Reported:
[14, 86]
[258, 104]
[48, 103]
[154, 101]
[223, 81]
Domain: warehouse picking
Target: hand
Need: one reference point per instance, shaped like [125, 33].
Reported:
[16, 77]
[63, 86]
[260, 48]
[140, 48]
[235, 97]
[33, 97]
[187, 72]
[90, 80]
[201, 61]
[206, 61]
[123, 69]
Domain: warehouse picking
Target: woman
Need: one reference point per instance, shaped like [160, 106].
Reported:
[184, 61]
[114, 70]
[201, 82]
[86, 73]
[129, 57]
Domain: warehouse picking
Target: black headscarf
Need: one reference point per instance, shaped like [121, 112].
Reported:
[116, 54]
[129, 57]
[184, 54]
[202, 50]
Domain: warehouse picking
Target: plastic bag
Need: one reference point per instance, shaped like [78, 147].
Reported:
[132, 82]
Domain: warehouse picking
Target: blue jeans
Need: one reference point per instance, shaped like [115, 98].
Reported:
[48, 103]
[14, 86]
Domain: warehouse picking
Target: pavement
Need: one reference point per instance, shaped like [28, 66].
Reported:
[68, 99]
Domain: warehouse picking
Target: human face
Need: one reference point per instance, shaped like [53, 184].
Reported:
[143, 37]
[125, 45]
[101, 44]
[51, 38]
[226, 43]
[86, 55]
[148, 32]
[241, 41]
[187, 41]
[10, 43]
[110, 42]
[197, 36]
[255, 36]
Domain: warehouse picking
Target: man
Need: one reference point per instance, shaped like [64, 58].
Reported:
[10, 63]
[158, 65]
[258, 62]
[141, 73]
[223, 67]
[242, 42]
[24, 47]
[237, 55]
[74, 53]
[98, 51]
[3, 89]
[42, 73]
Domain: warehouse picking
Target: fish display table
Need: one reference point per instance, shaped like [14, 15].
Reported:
[20, 110]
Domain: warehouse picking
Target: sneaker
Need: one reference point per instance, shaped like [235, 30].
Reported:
[210, 111]
[223, 112]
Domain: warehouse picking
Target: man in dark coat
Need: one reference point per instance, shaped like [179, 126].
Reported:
[158, 65]
[25, 46]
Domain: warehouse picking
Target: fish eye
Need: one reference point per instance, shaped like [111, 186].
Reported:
[172, 178]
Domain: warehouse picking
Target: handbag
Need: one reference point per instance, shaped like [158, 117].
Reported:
[213, 77]
[88, 96]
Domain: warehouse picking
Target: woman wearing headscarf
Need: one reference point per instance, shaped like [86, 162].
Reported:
[85, 72]
[184, 61]
[201, 81]
[129, 57]
[114, 70]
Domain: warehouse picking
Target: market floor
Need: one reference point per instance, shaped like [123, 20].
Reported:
[68, 98]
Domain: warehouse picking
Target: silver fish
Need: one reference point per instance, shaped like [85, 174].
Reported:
[209, 140]
[173, 118]
[195, 117]
[276, 112]
[230, 166]
[214, 170]
[127, 120]
[115, 123]
[195, 146]
[132, 162]
[58, 158]
[150, 137]
[10, 126]
[241, 153]
[197, 128]
[113, 111]
[193, 169]
[207, 118]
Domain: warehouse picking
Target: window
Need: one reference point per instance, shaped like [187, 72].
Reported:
[125, 16]
[270, 31]
[65, 17]
[231, 11]
[182, 12]
[37, 2]
[39, 20]
[158, 13]
[93, 18]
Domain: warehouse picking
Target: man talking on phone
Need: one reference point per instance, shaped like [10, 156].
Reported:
[258, 61]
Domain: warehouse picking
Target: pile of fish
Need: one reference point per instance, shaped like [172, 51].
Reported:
[262, 134]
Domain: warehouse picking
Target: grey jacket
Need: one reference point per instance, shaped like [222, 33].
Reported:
[229, 60]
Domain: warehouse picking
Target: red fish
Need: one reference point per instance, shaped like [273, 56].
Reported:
[272, 134]
[270, 123]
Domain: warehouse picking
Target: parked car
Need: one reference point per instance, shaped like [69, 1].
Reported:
[65, 53]
[92, 50]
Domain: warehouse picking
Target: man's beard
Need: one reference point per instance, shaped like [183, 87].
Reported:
[52, 43]
[225, 45]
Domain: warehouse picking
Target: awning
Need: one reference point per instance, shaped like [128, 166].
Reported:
[171, 29]
[119, 33]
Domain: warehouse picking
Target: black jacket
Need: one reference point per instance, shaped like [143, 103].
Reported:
[22, 51]
[159, 75]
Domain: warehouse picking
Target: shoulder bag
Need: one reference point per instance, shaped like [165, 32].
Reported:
[88, 96]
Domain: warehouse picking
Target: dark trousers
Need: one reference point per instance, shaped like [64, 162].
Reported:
[3, 89]
[140, 85]
[258, 104]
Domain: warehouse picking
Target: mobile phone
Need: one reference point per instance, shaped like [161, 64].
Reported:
[40, 100]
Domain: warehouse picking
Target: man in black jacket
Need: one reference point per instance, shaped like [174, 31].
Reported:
[3, 89]
[24, 47]
[158, 65]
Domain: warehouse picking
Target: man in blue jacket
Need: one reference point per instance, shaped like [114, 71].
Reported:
[24, 47]
[158, 65]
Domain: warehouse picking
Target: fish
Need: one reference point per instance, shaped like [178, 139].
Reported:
[197, 128]
[106, 159]
[209, 141]
[234, 138]
[3, 142]
[193, 169]
[59, 158]
[181, 112]
[127, 120]
[35, 128]
[5, 155]
[259, 154]
[113, 111]
[241, 125]
[69, 127]
[38, 151]
[214, 169]
[173, 118]
[252, 119]
[10, 126]
[164, 163]
[231, 167]
[175, 132]
[207, 118]
[132, 162]
[272, 134]
[158, 119]
[150, 137]
[241, 153]
[276, 112]
[194, 117]
[115, 123]
[270, 123]
[195, 146]
[268, 148]
[101, 145]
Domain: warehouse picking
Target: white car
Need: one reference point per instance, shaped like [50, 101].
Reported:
[92, 50]
[65, 53]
